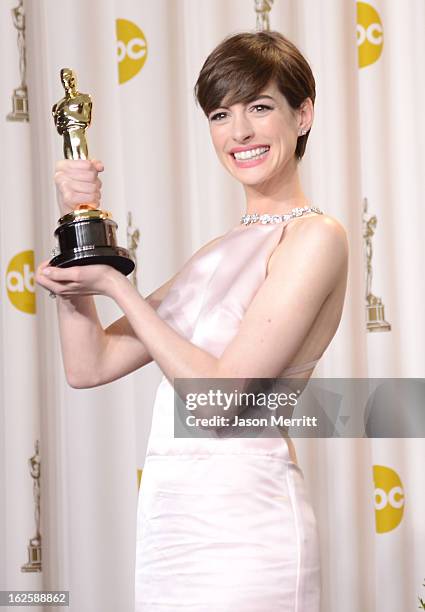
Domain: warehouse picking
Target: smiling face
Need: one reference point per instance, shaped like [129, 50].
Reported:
[256, 141]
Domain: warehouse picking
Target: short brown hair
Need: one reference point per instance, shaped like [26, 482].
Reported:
[242, 65]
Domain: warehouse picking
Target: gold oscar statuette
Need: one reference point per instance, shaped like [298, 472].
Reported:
[262, 9]
[34, 547]
[375, 316]
[20, 94]
[133, 238]
[87, 235]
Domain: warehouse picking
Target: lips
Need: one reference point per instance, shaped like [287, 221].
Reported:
[248, 148]
[247, 157]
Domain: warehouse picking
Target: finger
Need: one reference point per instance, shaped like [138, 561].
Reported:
[39, 275]
[98, 165]
[73, 164]
[43, 264]
[89, 176]
[72, 198]
[62, 275]
[80, 186]
[70, 165]
[76, 181]
[44, 282]
[67, 289]
[58, 288]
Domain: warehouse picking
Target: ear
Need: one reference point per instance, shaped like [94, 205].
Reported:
[305, 116]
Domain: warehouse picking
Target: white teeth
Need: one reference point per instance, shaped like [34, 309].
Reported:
[251, 154]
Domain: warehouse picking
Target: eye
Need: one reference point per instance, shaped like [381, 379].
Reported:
[218, 116]
[261, 107]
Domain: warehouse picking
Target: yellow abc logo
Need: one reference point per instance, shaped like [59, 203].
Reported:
[132, 49]
[20, 281]
[389, 498]
[370, 34]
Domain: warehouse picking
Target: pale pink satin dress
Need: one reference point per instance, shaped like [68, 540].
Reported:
[223, 525]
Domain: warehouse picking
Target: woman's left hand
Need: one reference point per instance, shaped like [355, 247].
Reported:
[94, 279]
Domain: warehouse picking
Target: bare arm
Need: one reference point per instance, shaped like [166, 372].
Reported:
[112, 352]
[92, 355]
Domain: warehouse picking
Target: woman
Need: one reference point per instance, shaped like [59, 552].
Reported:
[223, 523]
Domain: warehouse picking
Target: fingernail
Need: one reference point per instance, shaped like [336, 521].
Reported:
[46, 271]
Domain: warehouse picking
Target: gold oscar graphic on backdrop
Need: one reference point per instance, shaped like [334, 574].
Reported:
[375, 317]
[133, 237]
[20, 281]
[263, 8]
[20, 94]
[389, 498]
[87, 235]
[139, 477]
[132, 49]
[370, 34]
[34, 546]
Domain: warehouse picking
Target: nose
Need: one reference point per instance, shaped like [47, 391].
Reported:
[242, 128]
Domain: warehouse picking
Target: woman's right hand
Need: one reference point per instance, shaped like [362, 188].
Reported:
[77, 183]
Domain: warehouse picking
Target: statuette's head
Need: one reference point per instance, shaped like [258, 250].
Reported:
[69, 80]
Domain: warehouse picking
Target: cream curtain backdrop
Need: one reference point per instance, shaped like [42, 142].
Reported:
[160, 166]
[19, 379]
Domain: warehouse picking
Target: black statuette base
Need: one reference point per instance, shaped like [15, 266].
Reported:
[87, 237]
[117, 257]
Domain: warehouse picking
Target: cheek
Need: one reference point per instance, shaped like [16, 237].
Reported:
[287, 139]
[217, 141]
[282, 126]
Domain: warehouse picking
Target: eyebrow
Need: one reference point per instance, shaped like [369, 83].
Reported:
[252, 100]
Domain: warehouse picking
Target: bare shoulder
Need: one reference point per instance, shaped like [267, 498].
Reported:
[316, 233]
[312, 244]
[317, 225]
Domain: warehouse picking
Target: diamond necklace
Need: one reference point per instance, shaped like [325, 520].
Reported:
[266, 218]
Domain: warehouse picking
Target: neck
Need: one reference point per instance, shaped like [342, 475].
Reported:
[278, 196]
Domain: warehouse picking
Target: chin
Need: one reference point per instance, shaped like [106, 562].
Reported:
[252, 183]
[252, 179]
